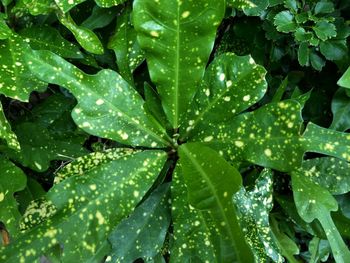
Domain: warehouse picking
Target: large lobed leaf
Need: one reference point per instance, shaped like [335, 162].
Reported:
[81, 211]
[177, 37]
[277, 142]
[107, 107]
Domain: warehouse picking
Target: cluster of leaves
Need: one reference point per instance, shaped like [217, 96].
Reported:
[174, 131]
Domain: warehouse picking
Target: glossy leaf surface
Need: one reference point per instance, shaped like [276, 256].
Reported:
[211, 192]
[177, 38]
[6, 132]
[117, 111]
[114, 186]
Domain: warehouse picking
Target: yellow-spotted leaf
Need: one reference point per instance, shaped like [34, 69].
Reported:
[231, 85]
[6, 132]
[108, 106]
[315, 202]
[66, 5]
[278, 142]
[12, 179]
[210, 186]
[253, 208]
[177, 37]
[16, 80]
[80, 212]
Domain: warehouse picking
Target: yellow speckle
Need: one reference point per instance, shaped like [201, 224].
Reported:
[92, 187]
[290, 124]
[185, 14]
[246, 98]
[100, 101]
[2, 197]
[136, 194]
[227, 98]
[268, 152]
[100, 218]
[228, 83]
[222, 77]
[154, 34]
[208, 138]
[239, 143]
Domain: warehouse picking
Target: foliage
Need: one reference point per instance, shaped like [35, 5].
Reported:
[174, 131]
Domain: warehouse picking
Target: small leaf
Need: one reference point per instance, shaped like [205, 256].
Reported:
[303, 54]
[334, 49]
[85, 37]
[301, 35]
[211, 192]
[341, 111]
[324, 7]
[108, 106]
[177, 38]
[100, 198]
[12, 179]
[100, 17]
[344, 81]
[284, 21]
[325, 30]
[317, 62]
[6, 133]
[142, 234]
[319, 250]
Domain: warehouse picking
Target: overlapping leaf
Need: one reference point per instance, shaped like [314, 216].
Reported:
[82, 210]
[177, 37]
[125, 46]
[12, 179]
[142, 234]
[253, 208]
[278, 141]
[66, 5]
[108, 106]
[231, 85]
[211, 192]
[341, 111]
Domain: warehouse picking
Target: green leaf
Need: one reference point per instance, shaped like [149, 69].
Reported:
[194, 237]
[5, 31]
[126, 48]
[285, 243]
[341, 111]
[177, 38]
[66, 5]
[6, 133]
[302, 35]
[211, 192]
[48, 38]
[303, 54]
[314, 202]
[284, 22]
[317, 62]
[142, 234]
[324, 7]
[254, 7]
[277, 142]
[39, 147]
[334, 49]
[344, 81]
[85, 37]
[100, 17]
[12, 179]
[39, 7]
[231, 85]
[291, 4]
[108, 106]
[253, 209]
[16, 80]
[319, 250]
[100, 198]
[327, 172]
[325, 30]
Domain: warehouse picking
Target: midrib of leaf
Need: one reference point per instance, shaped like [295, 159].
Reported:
[177, 57]
[217, 200]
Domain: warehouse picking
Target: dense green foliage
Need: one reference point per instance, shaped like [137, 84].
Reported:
[174, 131]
